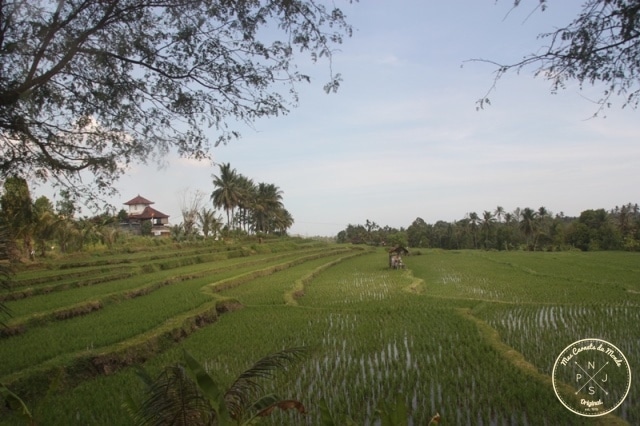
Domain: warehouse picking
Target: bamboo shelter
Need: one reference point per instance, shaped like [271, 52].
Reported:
[395, 257]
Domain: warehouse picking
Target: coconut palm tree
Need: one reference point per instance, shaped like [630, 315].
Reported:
[473, 225]
[246, 198]
[209, 222]
[460, 232]
[227, 192]
[188, 395]
[528, 225]
[509, 221]
[267, 202]
[487, 224]
[282, 221]
[45, 225]
[543, 221]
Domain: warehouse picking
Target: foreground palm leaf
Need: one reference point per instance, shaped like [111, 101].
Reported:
[188, 395]
[173, 399]
[242, 391]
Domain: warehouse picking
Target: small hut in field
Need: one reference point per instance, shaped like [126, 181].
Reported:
[395, 257]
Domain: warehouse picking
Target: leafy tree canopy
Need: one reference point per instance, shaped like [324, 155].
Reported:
[601, 45]
[89, 87]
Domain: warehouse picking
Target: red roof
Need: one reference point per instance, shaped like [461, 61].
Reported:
[149, 213]
[138, 200]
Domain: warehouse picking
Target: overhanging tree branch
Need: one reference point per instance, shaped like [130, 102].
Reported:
[600, 46]
[151, 76]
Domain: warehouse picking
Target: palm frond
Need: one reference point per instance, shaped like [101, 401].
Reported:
[265, 406]
[208, 387]
[241, 393]
[174, 399]
[287, 404]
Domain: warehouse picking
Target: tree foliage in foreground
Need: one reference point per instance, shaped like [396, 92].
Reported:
[188, 395]
[600, 46]
[16, 214]
[6, 271]
[89, 87]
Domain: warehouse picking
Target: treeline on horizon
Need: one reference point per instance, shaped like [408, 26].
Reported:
[521, 229]
[36, 227]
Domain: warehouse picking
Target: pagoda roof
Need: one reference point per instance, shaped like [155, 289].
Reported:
[149, 213]
[138, 200]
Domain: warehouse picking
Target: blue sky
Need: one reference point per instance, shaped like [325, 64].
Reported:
[402, 138]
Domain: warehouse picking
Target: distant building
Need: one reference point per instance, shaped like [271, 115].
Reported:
[140, 211]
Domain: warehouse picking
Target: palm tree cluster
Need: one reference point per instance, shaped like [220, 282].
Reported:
[503, 230]
[34, 227]
[522, 228]
[250, 207]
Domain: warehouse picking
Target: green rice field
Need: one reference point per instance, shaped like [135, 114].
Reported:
[471, 335]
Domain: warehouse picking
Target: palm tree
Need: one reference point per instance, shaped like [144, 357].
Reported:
[177, 232]
[499, 213]
[487, 224]
[543, 224]
[45, 224]
[623, 215]
[267, 202]
[282, 221]
[188, 395]
[528, 225]
[509, 220]
[517, 213]
[246, 198]
[68, 234]
[209, 222]
[473, 225]
[227, 192]
[461, 227]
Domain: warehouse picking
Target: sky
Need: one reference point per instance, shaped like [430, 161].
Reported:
[402, 138]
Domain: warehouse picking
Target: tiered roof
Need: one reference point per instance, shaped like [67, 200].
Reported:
[149, 213]
[138, 200]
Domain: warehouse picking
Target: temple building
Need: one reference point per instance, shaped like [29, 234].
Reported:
[140, 212]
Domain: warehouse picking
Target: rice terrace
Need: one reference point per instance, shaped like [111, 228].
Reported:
[469, 335]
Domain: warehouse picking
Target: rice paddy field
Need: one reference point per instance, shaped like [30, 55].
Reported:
[471, 335]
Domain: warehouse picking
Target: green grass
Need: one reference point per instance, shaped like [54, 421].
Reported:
[471, 335]
[72, 295]
[517, 277]
[125, 319]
